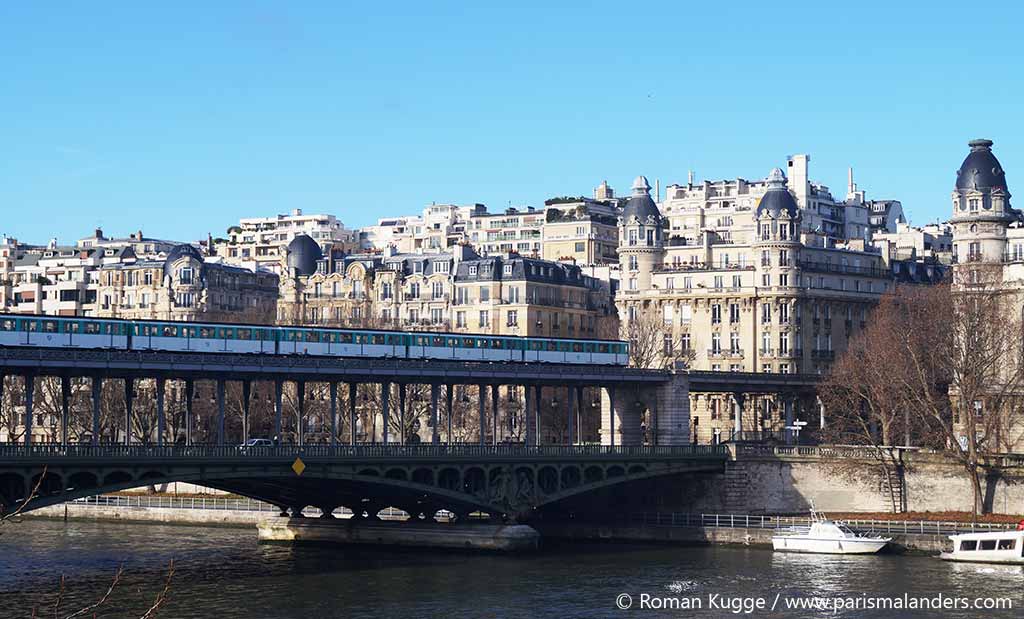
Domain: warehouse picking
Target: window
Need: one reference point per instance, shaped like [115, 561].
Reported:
[737, 281]
[766, 343]
[414, 316]
[485, 294]
[734, 342]
[385, 291]
[783, 280]
[460, 319]
[688, 283]
[716, 343]
[507, 270]
[579, 247]
[472, 269]
[485, 318]
[718, 281]
[766, 313]
[512, 318]
[666, 345]
[968, 544]
[437, 315]
[734, 313]
[634, 264]
[716, 314]
[185, 275]
[684, 342]
[414, 290]
[783, 343]
[437, 290]
[784, 313]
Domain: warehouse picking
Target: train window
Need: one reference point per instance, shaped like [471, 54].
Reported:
[50, 326]
[602, 348]
[92, 327]
[7, 325]
[468, 342]
[71, 326]
[552, 346]
[588, 347]
[244, 334]
[496, 344]
[376, 338]
[563, 346]
[31, 325]
[169, 331]
[345, 338]
[292, 335]
[311, 336]
[189, 331]
[438, 340]
[576, 347]
[206, 332]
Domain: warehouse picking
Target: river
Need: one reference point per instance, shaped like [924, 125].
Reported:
[223, 572]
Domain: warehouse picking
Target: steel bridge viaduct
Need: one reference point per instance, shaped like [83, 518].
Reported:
[511, 481]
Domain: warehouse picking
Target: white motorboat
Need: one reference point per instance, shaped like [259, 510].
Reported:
[990, 547]
[826, 536]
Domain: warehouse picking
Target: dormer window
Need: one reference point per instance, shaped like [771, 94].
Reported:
[472, 269]
[508, 269]
[972, 204]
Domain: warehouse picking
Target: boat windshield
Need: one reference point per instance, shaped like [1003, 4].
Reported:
[846, 530]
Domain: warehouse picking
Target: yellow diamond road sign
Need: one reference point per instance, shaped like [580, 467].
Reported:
[298, 466]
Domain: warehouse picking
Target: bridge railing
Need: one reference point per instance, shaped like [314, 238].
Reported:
[752, 521]
[11, 451]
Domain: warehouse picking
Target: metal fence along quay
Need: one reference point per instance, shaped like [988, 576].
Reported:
[748, 521]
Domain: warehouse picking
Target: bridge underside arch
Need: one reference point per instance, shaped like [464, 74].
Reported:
[507, 491]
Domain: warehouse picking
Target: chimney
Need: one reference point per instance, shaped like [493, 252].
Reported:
[138, 235]
[690, 177]
[99, 233]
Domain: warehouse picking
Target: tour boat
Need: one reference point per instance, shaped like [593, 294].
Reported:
[827, 537]
[990, 547]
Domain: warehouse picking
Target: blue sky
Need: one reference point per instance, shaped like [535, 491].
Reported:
[181, 119]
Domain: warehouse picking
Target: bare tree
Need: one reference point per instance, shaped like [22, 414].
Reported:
[867, 405]
[950, 354]
[651, 344]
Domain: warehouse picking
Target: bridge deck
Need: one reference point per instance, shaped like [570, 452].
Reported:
[148, 364]
[19, 455]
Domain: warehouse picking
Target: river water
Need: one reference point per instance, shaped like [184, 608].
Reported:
[222, 572]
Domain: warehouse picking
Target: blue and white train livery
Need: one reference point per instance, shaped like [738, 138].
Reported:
[109, 333]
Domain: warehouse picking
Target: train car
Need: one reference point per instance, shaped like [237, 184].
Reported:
[62, 332]
[198, 337]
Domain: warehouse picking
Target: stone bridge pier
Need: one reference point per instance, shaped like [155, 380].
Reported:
[657, 414]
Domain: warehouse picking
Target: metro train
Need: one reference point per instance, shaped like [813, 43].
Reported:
[107, 333]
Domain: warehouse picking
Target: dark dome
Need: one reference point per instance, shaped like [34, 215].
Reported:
[179, 252]
[777, 199]
[640, 204]
[303, 254]
[981, 169]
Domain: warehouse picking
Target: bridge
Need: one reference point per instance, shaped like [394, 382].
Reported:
[627, 393]
[514, 480]
[511, 482]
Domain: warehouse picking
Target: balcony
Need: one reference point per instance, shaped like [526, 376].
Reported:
[715, 353]
[823, 354]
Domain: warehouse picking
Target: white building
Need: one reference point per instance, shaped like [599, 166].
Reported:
[258, 243]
